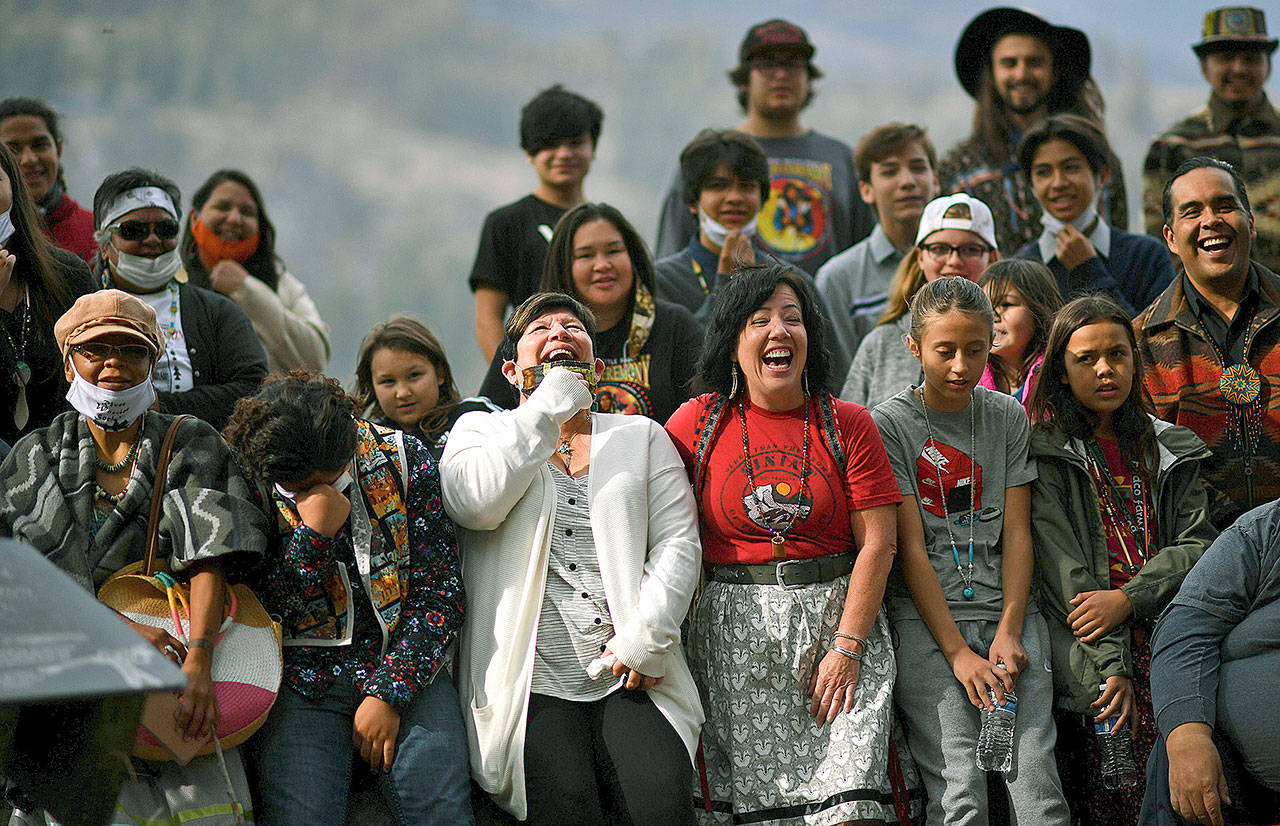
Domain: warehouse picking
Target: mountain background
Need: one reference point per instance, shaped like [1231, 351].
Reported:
[381, 133]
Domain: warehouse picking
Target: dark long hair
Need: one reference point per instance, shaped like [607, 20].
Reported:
[412, 336]
[36, 267]
[557, 267]
[1054, 406]
[745, 293]
[1039, 290]
[994, 130]
[263, 265]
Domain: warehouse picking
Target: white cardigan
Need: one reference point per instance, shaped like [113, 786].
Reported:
[498, 489]
[286, 321]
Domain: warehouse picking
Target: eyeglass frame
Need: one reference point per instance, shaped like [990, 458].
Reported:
[958, 249]
[150, 226]
[117, 350]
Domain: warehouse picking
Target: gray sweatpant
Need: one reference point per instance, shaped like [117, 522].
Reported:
[933, 702]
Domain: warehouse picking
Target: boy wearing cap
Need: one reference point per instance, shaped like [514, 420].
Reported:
[559, 131]
[812, 210]
[1239, 125]
[1019, 68]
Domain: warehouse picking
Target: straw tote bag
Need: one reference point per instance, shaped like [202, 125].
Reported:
[246, 660]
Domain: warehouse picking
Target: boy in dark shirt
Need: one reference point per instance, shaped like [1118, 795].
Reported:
[558, 132]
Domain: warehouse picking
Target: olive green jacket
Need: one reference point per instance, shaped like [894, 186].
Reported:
[1071, 550]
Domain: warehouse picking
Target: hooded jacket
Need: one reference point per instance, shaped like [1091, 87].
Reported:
[1071, 552]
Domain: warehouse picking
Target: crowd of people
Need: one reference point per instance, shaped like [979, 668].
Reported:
[881, 451]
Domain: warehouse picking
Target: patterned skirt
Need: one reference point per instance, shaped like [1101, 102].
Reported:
[752, 649]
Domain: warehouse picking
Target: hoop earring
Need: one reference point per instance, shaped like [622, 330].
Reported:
[733, 383]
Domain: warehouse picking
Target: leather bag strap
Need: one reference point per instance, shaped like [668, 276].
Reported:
[157, 493]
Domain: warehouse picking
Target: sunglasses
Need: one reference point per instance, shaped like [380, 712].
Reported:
[139, 230]
[97, 352]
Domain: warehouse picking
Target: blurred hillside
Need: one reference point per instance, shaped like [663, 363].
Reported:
[381, 133]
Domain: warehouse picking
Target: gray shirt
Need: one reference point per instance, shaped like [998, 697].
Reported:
[1215, 654]
[851, 283]
[998, 440]
[574, 626]
[883, 366]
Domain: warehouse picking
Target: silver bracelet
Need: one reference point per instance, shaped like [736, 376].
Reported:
[853, 655]
[858, 640]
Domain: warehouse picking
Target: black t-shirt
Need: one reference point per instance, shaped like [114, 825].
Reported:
[654, 384]
[513, 244]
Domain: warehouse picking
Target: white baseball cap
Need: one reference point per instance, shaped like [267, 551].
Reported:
[959, 211]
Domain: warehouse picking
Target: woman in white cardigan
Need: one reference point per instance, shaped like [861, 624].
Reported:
[579, 542]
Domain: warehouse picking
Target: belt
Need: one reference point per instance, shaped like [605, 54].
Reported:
[789, 573]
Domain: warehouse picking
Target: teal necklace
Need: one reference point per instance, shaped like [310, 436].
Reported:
[966, 576]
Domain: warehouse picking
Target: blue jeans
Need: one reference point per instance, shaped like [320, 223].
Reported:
[303, 756]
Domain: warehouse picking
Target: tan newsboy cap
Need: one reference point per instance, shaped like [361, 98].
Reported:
[103, 312]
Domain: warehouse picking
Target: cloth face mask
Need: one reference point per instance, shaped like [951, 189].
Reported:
[534, 375]
[340, 484]
[214, 248]
[148, 274]
[111, 410]
[717, 233]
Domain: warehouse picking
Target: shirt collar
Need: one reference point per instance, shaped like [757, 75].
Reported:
[1099, 236]
[881, 247]
[1200, 305]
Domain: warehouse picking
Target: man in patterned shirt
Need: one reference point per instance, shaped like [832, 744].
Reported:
[1019, 68]
[1239, 126]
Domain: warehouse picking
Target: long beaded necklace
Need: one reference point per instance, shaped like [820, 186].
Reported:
[1122, 519]
[1240, 385]
[171, 337]
[21, 370]
[965, 576]
[777, 537]
[129, 457]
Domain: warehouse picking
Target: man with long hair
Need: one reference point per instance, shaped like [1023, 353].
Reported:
[1019, 68]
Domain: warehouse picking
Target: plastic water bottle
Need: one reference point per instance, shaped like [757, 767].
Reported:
[1119, 771]
[995, 740]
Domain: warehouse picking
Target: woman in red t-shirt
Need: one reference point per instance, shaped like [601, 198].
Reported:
[797, 505]
[1119, 515]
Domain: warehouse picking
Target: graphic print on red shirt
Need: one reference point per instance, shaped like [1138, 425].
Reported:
[956, 469]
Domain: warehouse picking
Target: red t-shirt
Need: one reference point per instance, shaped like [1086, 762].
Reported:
[1123, 549]
[735, 521]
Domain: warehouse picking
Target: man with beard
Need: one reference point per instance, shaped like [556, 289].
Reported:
[812, 210]
[1019, 68]
[1209, 342]
[1239, 126]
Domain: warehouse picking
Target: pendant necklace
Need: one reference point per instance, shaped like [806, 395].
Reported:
[565, 449]
[1240, 385]
[777, 536]
[965, 576]
[21, 374]
[1122, 521]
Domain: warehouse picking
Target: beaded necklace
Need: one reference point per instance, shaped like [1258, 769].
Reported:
[21, 370]
[1124, 520]
[965, 576]
[777, 537]
[129, 457]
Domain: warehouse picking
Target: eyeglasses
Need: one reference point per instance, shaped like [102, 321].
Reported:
[97, 352]
[774, 64]
[139, 230]
[941, 252]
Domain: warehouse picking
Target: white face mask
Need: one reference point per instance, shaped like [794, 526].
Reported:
[148, 274]
[717, 233]
[340, 484]
[110, 409]
[6, 226]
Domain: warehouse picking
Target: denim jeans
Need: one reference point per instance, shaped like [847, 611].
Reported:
[303, 756]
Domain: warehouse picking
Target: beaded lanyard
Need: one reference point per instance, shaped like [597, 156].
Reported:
[778, 538]
[21, 370]
[171, 334]
[966, 578]
[1123, 520]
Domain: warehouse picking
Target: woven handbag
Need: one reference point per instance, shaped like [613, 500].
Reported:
[246, 660]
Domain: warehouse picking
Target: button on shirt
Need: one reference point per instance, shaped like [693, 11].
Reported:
[574, 626]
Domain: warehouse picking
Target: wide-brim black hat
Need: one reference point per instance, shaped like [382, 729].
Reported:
[1069, 47]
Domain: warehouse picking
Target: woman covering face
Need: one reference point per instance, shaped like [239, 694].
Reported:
[210, 355]
[229, 246]
[98, 464]
[796, 504]
[579, 532]
[646, 345]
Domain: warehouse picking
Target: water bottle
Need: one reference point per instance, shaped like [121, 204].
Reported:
[995, 740]
[1119, 771]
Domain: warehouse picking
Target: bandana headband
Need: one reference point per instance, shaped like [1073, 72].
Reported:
[140, 198]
